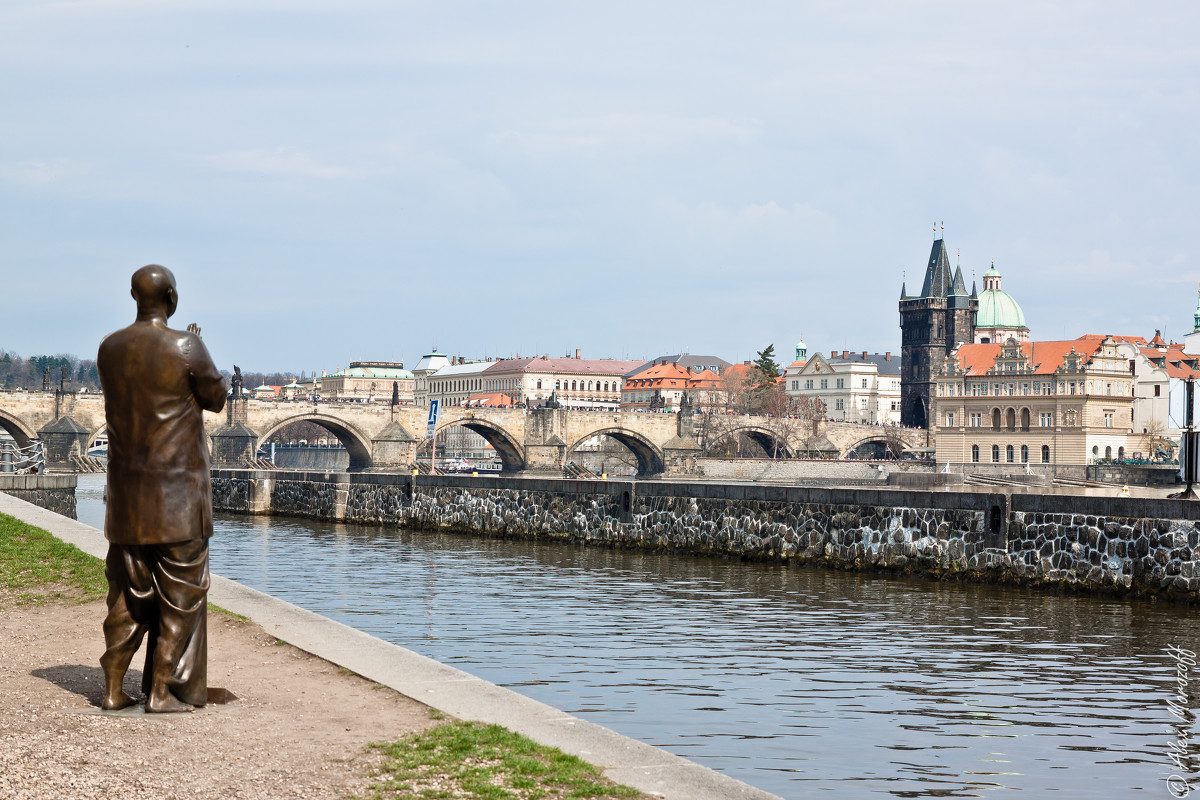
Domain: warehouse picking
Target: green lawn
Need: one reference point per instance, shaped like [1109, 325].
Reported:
[36, 567]
[474, 761]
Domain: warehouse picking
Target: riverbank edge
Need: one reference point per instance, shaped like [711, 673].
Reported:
[1107, 546]
[439, 686]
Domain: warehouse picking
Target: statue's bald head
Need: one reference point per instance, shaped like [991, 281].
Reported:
[154, 290]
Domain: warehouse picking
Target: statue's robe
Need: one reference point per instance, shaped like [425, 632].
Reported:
[156, 383]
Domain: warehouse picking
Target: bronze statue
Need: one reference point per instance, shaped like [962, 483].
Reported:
[158, 520]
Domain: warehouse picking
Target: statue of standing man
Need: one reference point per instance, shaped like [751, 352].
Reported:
[157, 382]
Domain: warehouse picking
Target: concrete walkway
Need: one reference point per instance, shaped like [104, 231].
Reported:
[460, 694]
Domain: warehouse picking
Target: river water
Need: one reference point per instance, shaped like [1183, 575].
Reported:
[804, 682]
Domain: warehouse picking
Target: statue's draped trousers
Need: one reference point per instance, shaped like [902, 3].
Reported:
[160, 590]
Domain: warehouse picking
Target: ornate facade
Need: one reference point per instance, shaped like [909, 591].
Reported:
[1054, 403]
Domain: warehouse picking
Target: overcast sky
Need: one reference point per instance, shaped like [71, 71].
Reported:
[363, 180]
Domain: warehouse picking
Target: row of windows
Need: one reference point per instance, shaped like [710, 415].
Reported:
[1010, 453]
[1045, 419]
[983, 389]
[477, 384]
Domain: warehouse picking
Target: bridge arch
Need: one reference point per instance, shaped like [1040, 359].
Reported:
[357, 443]
[773, 443]
[21, 433]
[96, 434]
[872, 448]
[512, 454]
[649, 458]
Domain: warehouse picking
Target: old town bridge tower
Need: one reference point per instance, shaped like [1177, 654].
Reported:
[932, 325]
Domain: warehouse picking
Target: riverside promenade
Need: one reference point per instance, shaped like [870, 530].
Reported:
[236, 738]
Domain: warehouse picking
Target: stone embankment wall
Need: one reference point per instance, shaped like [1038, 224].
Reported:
[1122, 545]
[53, 492]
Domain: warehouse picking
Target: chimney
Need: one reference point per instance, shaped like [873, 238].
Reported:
[845, 354]
[864, 355]
[576, 353]
[887, 356]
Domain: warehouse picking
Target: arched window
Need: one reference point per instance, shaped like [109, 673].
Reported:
[589, 386]
[1024, 454]
[1012, 420]
[1121, 453]
[996, 453]
[1108, 452]
[1095, 449]
[572, 386]
[1008, 453]
[996, 419]
[1024, 419]
[1045, 454]
[975, 453]
[539, 384]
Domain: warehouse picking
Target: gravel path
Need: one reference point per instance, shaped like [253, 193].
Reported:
[297, 729]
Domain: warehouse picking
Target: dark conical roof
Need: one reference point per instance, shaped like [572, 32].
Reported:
[938, 282]
[904, 293]
[960, 287]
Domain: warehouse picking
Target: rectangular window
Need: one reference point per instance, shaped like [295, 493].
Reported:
[863, 404]
[808, 384]
[840, 404]
[1046, 419]
[841, 383]
[1157, 389]
[795, 386]
[976, 419]
[824, 383]
[950, 419]
[1108, 419]
[864, 383]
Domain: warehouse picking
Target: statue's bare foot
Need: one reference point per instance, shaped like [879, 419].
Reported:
[118, 701]
[165, 703]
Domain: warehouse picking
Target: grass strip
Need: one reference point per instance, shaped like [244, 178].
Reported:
[36, 567]
[473, 761]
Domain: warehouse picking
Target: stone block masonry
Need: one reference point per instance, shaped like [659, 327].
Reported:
[52, 492]
[1115, 545]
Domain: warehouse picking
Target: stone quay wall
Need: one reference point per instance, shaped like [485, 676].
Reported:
[1115, 545]
[53, 492]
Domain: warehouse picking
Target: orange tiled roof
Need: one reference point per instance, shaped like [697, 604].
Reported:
[490, 400]
[740, 370]
[672, 376]
[1044, 357]
[1175, 362]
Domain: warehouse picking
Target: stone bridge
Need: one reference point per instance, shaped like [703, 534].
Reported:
[381, 437]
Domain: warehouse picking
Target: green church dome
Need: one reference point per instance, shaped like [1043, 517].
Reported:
[997, 309]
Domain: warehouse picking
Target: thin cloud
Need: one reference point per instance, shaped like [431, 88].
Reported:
[281, 161]
[617, 130]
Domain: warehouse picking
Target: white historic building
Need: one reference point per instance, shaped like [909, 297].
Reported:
[856, 387]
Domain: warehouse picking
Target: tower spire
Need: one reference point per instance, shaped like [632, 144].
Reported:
[1196, 317]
